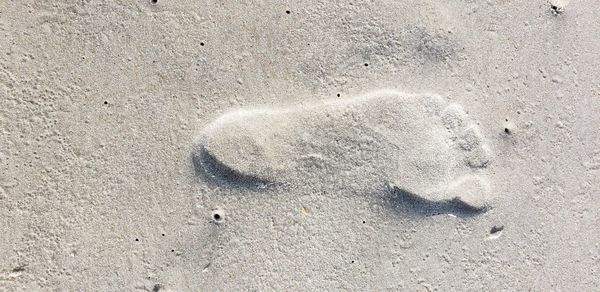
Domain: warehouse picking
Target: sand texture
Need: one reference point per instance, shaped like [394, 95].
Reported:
[160, 145]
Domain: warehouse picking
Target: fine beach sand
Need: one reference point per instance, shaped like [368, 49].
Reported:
[300, 145]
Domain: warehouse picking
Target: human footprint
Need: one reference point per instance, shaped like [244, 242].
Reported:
[420, 145]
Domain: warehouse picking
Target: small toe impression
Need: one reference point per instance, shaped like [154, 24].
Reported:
[454, 117]
[477, 153]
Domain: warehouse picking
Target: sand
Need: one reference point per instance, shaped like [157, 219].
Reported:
[267, 145]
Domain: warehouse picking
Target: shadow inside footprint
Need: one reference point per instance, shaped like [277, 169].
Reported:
[211, 169]
[414, 205]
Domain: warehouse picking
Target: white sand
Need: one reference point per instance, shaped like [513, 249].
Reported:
[104, 106]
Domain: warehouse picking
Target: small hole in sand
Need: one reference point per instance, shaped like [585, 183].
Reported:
[154, 1]
[506, 130]
[163, 234]
[105, 102]
[364, 222]
[558, 6]
[137, 239]
[366, 65]
[202, 44]
[496, 228]
[156, 288]
[338, 95]
[217, 216]
[288, 12]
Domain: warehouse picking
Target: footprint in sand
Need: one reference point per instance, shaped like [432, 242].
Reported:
[421, 147]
